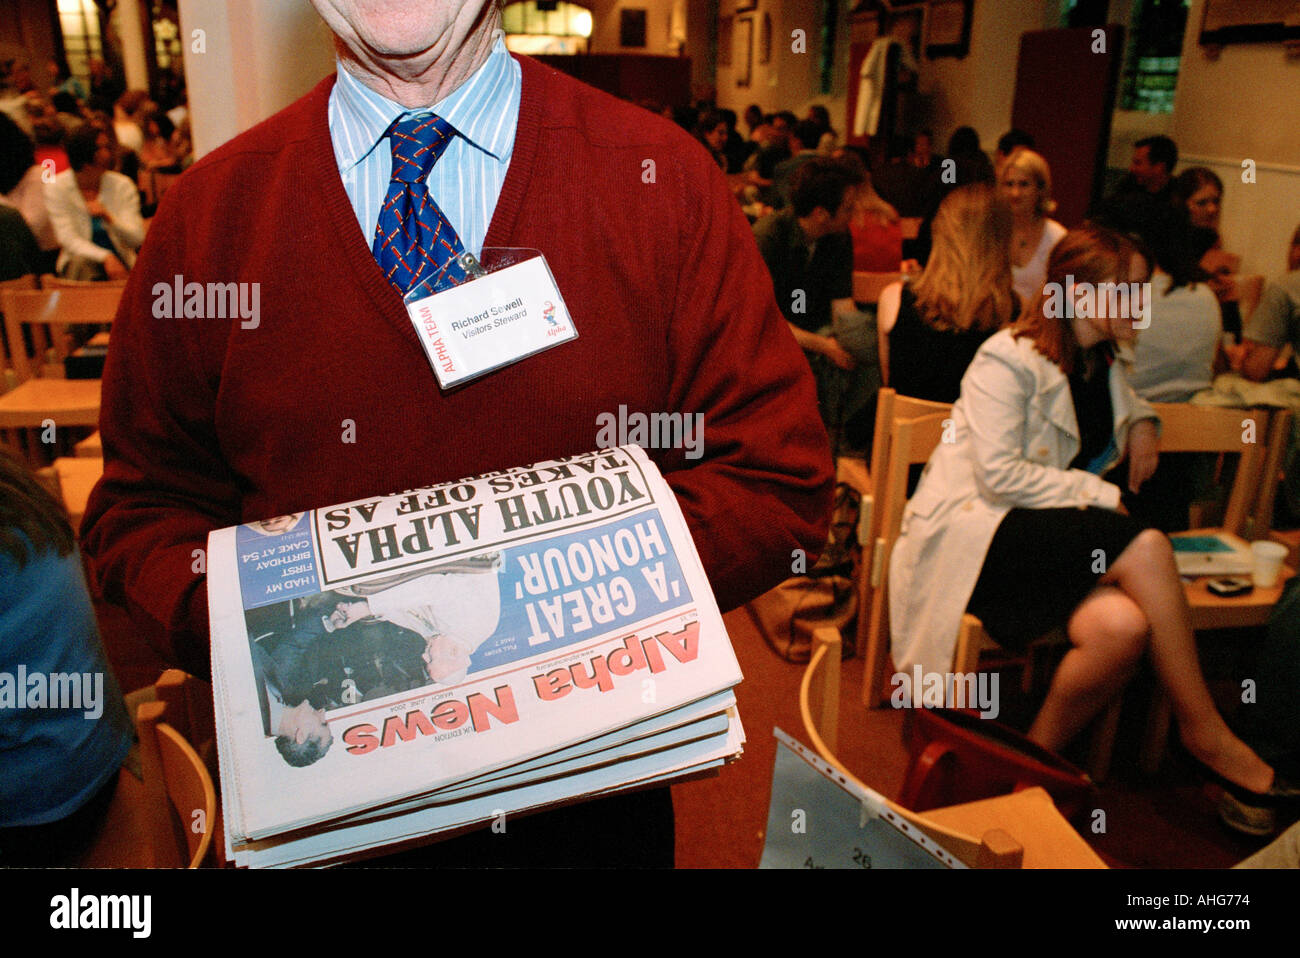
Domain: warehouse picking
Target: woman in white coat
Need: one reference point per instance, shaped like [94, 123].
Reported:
[1013, 522]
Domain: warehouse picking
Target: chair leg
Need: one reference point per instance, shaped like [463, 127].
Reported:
[873, 671]
[862, 628]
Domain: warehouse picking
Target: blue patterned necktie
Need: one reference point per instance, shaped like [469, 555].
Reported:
[415, 245]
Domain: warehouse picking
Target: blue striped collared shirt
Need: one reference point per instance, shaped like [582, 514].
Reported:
[466, 180]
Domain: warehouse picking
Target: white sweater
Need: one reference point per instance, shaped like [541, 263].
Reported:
[71, 219]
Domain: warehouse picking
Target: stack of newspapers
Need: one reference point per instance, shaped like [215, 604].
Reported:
[399, 669]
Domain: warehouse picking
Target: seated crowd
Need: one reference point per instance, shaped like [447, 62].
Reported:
[82, 172]
[1055, 452]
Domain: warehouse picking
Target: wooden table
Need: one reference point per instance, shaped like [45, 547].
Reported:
[1210, 611]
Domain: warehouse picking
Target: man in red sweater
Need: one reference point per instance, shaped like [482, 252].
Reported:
[326, 395]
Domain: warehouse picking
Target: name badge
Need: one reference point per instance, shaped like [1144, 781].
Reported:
[491, 320]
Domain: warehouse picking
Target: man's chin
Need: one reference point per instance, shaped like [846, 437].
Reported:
[405, 39]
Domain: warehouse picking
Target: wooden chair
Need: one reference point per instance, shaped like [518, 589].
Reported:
[909, 442]
[36, 399]
[868, 286]
[49, 313]
[1212, 429]
[890, 407]
[190, 711]
[9, 378]
[167, 818]
[1010, 831]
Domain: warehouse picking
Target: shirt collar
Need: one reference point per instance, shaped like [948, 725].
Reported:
[474, 108]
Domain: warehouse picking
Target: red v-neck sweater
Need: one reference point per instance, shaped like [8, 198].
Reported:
[206, 424]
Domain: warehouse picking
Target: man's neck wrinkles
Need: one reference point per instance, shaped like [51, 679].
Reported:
[404, 82]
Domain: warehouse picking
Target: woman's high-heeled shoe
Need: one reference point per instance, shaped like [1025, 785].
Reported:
[1280, 791]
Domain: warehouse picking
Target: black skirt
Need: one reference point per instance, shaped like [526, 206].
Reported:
[1040, 565]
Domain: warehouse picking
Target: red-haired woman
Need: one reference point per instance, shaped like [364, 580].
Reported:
[1013, 522]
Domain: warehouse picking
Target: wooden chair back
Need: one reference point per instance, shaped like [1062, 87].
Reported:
[190, 711]
[868, 286]
[182, 801]
[49, 313]
[166, 819]
[187, 749]
[910, 442]
[889, 405]
[890, 408]
[1243, 432]
[9, 378]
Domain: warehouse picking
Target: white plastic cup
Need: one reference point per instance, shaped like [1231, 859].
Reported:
[1268, 563]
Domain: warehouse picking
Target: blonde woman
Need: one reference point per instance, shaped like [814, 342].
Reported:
[931, 328]
[1025, 183]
